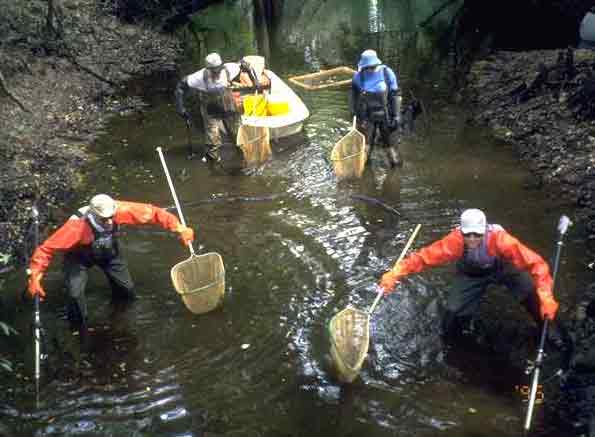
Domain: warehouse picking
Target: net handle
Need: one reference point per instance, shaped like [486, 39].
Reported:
[173, 193]
[380, 289]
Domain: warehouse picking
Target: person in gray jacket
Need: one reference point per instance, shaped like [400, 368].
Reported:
[214, 103]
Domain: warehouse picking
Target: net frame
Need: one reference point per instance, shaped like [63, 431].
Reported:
[349, 155]
[302, 80]
[200, 282]
[210, 293]
[348, 371]
[255, 142]
[348, 356]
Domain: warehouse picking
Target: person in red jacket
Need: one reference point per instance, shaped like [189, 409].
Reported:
[90, 238]
[485, 255]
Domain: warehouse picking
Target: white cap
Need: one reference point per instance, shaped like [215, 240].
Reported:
[213, 60]
[473, 220]
[102, 205]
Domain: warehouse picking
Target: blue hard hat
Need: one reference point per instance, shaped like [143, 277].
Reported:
[369, 58]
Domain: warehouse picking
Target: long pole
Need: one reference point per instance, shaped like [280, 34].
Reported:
[36, 316]
[562, 228]
[173, 192]
[403, 252]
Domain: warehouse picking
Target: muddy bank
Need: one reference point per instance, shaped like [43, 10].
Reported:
[57, 91]
[540, 103]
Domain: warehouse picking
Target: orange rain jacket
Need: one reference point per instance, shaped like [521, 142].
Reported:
[77, 231]
[500, 244]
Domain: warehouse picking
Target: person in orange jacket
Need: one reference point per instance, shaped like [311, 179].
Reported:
[485, 254]
[90, 238]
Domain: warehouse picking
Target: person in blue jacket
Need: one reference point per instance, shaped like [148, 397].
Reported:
[376, 102]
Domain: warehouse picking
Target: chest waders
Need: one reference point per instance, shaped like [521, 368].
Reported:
[104, 252]
[478, 262]
[372, 106]
[374, 109]
[219, 112]
[476, 271]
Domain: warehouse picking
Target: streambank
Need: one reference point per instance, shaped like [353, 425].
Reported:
[57, 92]
[541, 103]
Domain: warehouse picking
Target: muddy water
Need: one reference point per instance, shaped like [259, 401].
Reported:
[298, 247]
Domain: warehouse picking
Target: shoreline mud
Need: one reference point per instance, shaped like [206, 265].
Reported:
[538, 102]
[57, 96]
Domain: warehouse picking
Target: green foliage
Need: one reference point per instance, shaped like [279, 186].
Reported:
[219, 28]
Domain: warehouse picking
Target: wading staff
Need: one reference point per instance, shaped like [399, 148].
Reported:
[562, 228]
[36, 317]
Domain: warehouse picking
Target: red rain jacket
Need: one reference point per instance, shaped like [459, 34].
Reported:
[500, 244]
[77, 232]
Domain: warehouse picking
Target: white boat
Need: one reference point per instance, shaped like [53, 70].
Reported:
[284, 125]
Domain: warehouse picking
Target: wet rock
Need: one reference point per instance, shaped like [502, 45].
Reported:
[577, 394]
[542, 102]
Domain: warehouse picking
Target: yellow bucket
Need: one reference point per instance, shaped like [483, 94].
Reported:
[255, 105]
[277, 106]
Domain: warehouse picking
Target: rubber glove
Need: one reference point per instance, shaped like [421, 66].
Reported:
[390, 279]
[186, 234]
[34, 285]
[548, 307]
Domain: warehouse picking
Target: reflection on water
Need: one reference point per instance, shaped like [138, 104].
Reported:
[298, 247]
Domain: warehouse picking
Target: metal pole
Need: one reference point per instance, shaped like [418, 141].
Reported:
[562, 228]
[36, 316]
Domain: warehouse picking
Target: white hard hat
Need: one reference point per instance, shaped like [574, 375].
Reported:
[213, 60]
[102, 205]
[473, 220]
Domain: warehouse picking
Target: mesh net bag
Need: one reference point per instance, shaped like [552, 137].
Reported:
[255, 143]
[349, 155]
[200, 281]
[349, 334]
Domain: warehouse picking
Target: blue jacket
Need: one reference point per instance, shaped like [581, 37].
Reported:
[374, 94]
[375, 81]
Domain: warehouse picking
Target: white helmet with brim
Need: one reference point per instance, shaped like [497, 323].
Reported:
[473, 221]
[213, 61]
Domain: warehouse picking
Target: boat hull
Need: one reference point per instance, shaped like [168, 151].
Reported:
[285, 125]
